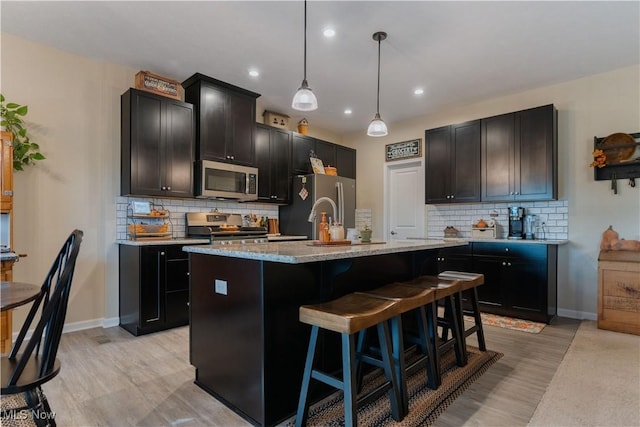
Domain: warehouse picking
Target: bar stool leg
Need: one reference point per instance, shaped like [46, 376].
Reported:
[387, 357]
[349, 380]
[450, 307]
[399, 363]
[432, 326]
[303, 405]
[423, 326]
[477, 319]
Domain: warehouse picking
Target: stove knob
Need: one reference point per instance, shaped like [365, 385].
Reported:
[243, 241]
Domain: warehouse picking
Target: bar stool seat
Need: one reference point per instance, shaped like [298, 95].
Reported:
[347, 316]
[410, 298]
[470, 283]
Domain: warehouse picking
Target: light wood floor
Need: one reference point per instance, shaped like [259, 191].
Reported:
[110, 378]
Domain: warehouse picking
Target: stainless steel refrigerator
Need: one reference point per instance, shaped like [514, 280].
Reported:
[293, 218]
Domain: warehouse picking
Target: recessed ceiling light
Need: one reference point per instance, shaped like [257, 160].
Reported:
[418, 91]
[347, 111]
[254, 73]
[329, 32]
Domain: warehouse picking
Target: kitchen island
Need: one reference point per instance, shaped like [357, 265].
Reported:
[246, 342]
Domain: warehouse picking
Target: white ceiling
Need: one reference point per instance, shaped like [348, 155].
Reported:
[459, 52]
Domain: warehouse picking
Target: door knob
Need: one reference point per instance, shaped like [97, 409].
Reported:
[393, 233]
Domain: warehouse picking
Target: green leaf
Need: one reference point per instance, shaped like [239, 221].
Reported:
[38, 156]
[1, 97]
[12, 105]
[17, 165]
[22, 110]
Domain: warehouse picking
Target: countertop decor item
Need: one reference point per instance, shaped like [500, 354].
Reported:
[25, 152]
[305, 99]
[377, 127]
[450, 232]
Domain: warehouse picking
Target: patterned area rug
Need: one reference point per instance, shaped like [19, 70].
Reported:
[509, 323]
[425, 405]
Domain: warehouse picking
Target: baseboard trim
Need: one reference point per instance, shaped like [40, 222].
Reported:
[81, 326]
[574, 314]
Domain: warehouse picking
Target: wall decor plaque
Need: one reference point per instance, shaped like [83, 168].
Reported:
[158, 85]
[403, 150]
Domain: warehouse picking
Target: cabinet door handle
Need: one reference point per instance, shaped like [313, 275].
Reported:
[509, 264]
[504, 263]
[168, 188]
[506, 249]
[453, 196]
[163, 188]
[161, 253]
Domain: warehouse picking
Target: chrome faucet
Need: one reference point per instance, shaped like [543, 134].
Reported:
[312, 215]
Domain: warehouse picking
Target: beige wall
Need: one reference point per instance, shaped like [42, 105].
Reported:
[74, 112]
[594, 106]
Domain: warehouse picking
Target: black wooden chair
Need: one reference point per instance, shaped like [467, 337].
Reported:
[27, 367]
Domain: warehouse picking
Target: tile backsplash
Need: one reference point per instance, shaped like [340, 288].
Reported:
[178, 207]
[555, 215]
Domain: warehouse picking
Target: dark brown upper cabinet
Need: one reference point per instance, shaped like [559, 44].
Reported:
[519, 156]
[157, 145]
[343, 158]
[225, 120]
[453, 163]
[273, 159]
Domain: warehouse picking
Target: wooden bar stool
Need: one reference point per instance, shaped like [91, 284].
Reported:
[445, 292]
[347, 316]
[470, 283]
[409, 298]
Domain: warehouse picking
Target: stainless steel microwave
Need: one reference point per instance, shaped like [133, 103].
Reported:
[219, 180]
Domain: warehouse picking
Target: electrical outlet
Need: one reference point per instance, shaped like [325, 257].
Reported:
[221, 287]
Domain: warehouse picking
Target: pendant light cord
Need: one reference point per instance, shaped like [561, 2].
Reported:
[378, 99]
[305, 40]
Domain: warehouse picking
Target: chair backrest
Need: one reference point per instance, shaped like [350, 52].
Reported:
[53, 299]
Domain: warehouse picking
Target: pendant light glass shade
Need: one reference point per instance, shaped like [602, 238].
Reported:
[305, 99]
[377, 127]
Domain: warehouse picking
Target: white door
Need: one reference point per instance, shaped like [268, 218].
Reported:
[404, 200]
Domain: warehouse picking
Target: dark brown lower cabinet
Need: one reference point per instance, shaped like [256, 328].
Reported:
[154, 288]
[520, 278]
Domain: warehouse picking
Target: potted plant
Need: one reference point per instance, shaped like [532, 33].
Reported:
[25, 152]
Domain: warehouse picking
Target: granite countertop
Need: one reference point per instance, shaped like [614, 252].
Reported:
[302, 252]
[504, 241]
[178, 241]
[284, 237]
[517, 241]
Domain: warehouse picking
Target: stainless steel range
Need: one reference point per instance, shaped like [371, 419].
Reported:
[223, 228]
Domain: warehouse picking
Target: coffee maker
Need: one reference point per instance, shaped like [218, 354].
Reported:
[516, 222]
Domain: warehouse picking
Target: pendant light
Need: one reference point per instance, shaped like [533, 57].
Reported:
[377, 127]
[304, 99]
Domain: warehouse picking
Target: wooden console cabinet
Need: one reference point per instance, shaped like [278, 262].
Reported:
[619, 291]
[6, 206]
